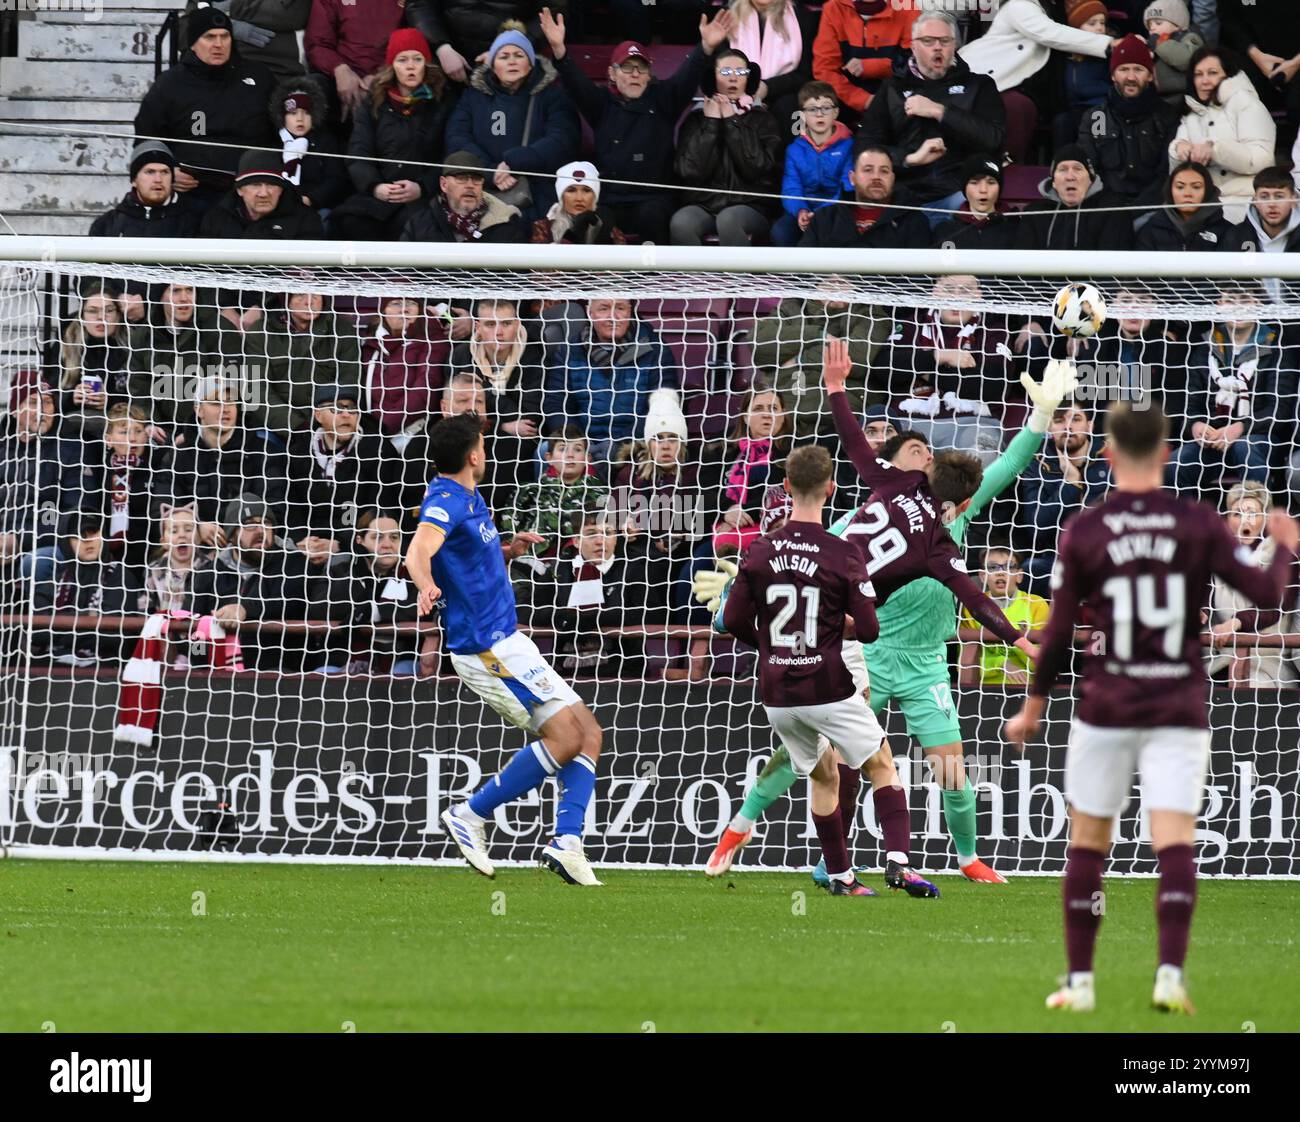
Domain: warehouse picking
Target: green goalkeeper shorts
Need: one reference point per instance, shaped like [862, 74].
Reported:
[918, 682]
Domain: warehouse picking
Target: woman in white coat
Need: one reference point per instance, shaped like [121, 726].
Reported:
[1226, 127]
[1015, 49]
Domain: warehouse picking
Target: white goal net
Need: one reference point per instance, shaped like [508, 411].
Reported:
[213, 455]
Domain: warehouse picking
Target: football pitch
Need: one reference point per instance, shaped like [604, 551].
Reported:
[134, 947]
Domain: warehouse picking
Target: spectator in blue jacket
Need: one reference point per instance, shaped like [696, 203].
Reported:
[816, 163]
[603, 376]
[1067, 475]
[517, 116]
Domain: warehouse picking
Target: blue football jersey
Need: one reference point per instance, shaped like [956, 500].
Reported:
[479, 604]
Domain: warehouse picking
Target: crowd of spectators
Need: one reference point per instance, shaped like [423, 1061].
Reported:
[255, 457]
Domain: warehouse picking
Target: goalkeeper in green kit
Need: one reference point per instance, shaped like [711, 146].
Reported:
[908, 663]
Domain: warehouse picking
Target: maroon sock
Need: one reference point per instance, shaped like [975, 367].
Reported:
[850, 777]
[1175, 902]
[895, 823]
[835, 848]
[1081, 891]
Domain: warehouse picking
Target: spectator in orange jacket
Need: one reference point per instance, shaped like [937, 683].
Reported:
[857, 44]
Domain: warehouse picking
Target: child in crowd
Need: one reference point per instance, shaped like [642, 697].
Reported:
[554, 507]
[996, 664]
[1173, 41]
[297, 104]
[816, 162]
[1087, 79]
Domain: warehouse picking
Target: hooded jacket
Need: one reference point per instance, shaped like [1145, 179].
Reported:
[501, 223]
[1286, 241]
[1242, 129]
[815, 173]
[1053, 225]
[973, 124]
[232, 100]
[879, 42]
[323, 177]
[835, 227]
[634, 138]
[176, 218]
[493, 124]
[1127, 139]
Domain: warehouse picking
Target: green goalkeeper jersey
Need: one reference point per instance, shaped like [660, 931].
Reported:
[923, 614]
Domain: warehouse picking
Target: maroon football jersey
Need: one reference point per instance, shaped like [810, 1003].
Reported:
[900, 532]
[789, 600]
[1143, 564]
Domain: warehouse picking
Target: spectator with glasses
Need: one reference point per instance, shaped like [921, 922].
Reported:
[935, 115]
[996, 664]
[815, 162]
[632, 121]
[731, 145]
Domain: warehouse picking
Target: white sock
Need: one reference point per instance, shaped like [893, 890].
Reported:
[1081, 978]
[894, 855]
[1167, 968]
[740, 823]
[964, 862]
[845, 877]
[463, 811]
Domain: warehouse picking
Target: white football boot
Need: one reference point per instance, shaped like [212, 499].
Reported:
[564, 857]
[470, 839]
[1075, 994]
[1170, 993]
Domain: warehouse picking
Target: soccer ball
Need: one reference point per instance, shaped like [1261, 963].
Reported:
[1078, 311]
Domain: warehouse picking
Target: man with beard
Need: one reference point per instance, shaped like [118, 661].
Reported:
[462, 211]
[1127, 136]
[1068, 475]
[153, 208]
[872, 222]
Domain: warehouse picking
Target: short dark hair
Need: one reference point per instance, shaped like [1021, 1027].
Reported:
[810, 90]
[566, 432]
[895, 443]
[1273, 178]
[1136, 433]
[1230, 62]
[955, 476]
[807, 469]
[452, 439]
[862, 149]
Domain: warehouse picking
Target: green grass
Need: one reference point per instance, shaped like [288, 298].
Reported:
[100, 946]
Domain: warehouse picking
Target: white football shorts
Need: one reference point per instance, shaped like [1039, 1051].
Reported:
[1170, 764]
[808, 731]
[514, 678]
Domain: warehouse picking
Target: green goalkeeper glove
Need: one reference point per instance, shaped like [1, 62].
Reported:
[710, 585]
[1059, 382]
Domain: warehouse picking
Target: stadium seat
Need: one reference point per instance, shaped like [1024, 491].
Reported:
[1020, 185]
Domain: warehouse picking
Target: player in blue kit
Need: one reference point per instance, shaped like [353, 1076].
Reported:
[456, 556]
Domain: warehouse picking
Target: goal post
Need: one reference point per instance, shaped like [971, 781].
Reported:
[172, 693]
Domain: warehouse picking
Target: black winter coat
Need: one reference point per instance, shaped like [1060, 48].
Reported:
[386, 132]
[1127, 140]
[102, 587]
[367, 477]
[471, 25]
[973, 124]
[834, 227]
[1053, 225]
[1208, 231]
[995, 232]
[176, 218]
[634, 138]
[226, 104]
[744, 152]
[291, 220]
[33, 478]
[211, 477]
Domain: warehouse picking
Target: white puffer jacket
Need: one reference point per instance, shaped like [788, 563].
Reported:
[1021, 39]
[1243, 133]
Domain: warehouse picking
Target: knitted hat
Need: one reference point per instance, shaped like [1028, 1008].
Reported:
[1079, 12]
[1132, 48]
[260, 167]
[1076, 153]
[627, 49]
[24, 384]
[151, 152]
[577, 174]
[202, 20]
[511, 38]
[977, 167]
[1175, 11]
[406, 39]
[664, 414]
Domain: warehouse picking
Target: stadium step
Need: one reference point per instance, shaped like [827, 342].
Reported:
[89, 42]
[24, 78]
[84, 155]
[59, 192]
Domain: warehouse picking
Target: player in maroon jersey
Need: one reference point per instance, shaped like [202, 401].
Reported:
[1143, 561]
[900, 528]
[794, 590]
